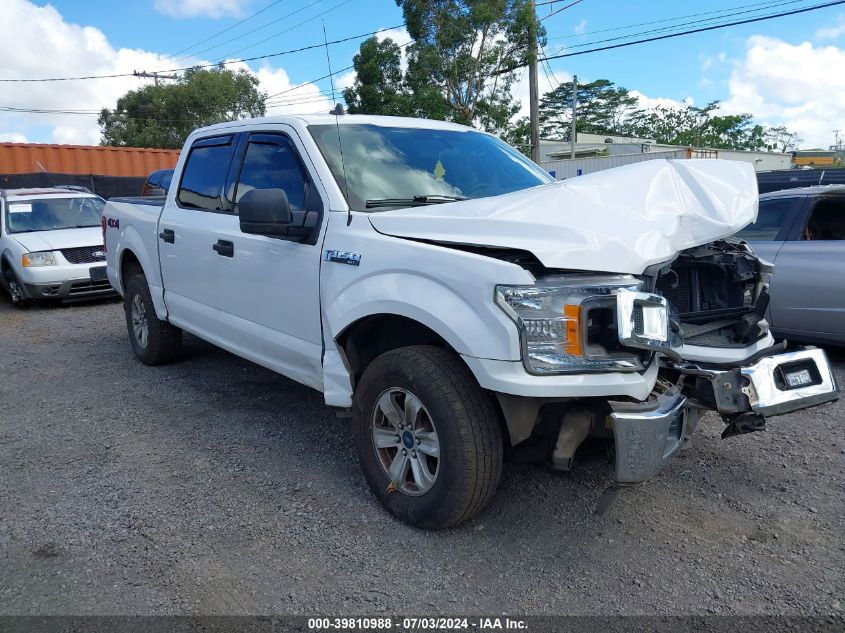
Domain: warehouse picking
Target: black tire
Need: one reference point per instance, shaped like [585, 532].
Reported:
[16, 291]
[467, 431]
[163, 341]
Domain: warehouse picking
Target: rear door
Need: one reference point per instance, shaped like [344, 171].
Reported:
[808, 287]
[191, 223]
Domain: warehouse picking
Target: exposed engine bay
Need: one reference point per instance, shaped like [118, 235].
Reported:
[717, 293]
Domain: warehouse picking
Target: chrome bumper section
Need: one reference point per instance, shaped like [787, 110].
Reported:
[648, 434]
[763, 387]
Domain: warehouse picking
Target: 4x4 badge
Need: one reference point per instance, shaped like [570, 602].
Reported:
[343, 257]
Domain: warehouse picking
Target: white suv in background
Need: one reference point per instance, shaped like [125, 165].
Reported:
[51, 245]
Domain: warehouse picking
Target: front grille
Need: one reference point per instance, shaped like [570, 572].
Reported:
[85, 254]
[678, 289]
[639, 326]
[84, 287]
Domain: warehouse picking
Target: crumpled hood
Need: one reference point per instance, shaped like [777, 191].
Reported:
[620, 220]
[57, 240]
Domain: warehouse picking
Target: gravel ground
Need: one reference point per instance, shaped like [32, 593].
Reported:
[215, 486]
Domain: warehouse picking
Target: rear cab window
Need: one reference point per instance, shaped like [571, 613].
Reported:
[205, 173]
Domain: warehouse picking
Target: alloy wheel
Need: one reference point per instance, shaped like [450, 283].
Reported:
[405, 441]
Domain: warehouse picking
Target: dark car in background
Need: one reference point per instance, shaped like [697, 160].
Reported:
[157, 183]
[802, 231]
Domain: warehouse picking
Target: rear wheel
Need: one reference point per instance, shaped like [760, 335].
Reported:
[154, 341]
[428, 437]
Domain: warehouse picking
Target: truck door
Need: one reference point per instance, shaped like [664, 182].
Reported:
[190, 224]
[268, 292]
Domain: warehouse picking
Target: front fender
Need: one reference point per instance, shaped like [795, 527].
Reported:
[482, 331]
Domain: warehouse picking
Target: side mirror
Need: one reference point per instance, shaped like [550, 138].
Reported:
[265, 212]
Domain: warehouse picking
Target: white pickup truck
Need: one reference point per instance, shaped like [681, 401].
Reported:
[452, 296]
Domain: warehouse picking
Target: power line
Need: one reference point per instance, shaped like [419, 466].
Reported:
[255, 30]
[675, 26]
[564, 8]
[337, 72]
[214, 65]
[700, 30]
[312, 81]
[275, 35]
[226, 30]
[680, 17]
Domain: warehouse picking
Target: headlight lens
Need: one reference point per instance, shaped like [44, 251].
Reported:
[41, 258]
[552, 318]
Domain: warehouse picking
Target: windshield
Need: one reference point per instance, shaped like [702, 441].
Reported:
[50, 214]
[390, 167]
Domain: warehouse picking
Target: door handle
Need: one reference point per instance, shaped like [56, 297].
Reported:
[168, 235]
[224, 248]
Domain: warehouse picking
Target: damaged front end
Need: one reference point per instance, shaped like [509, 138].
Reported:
[720, 357]
[718, 296]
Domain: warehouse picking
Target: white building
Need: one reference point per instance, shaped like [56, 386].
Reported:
[595, 152]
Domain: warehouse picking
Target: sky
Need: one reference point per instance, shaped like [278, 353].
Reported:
[788, 71]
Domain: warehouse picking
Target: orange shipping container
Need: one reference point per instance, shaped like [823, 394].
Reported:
[28, 158]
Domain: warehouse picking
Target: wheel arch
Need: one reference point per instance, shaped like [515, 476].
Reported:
[128, 266]
[367, 338]
[130, 263]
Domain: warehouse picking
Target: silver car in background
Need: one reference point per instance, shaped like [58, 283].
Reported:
[802, 232]
[51, 245]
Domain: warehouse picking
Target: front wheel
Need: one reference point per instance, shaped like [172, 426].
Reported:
[154, 341]
[428, 437]
[16, 291]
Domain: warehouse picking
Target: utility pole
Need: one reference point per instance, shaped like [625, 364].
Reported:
[573, 135]
[154, 76]
[533, 90]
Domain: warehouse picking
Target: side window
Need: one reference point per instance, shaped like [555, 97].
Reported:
[772, 216]
[271, 162]
[827, 220]
[204, 174]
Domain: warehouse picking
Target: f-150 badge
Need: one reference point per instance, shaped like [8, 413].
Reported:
[343, 257]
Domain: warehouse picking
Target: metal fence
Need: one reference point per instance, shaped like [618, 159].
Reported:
[792, 178]
[105, 186]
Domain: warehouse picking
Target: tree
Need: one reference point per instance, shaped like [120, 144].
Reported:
[379, 83]
[163, 116]
[780, 138]
[460, 63]
[689, 125]
[603, 108]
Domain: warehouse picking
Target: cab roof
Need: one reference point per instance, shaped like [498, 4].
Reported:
[343, 119]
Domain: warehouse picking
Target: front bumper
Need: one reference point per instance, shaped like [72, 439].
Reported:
[761, 387]
[647, 435]
[65, 282]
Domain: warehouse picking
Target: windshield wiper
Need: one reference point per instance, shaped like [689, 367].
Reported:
[415, 201]
[85, 226]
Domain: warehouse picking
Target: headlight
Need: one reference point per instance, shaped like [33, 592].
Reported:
[41, 258]
[555, 317]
